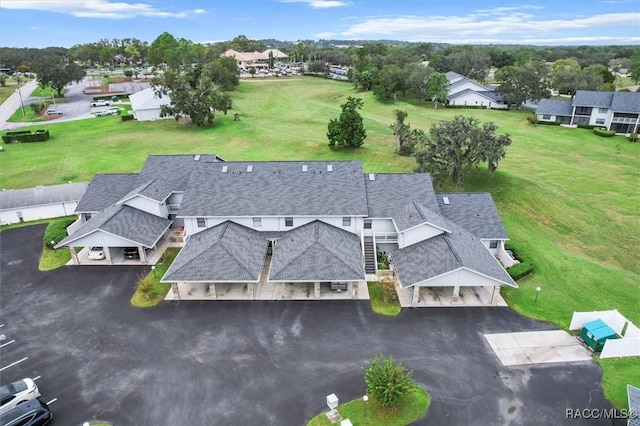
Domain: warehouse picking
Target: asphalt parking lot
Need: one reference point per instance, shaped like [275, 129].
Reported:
[256, 363]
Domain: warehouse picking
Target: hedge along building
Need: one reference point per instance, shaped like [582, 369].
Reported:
[310, 224]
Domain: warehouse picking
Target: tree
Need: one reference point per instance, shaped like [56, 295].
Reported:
[3, 79]
[390, 80]
[164, 50]
[387, 380]
[252, 71]
[198, 101]
[437, 86]
[455, 146]
[224, 72]
[318, 67]
[347, 130]
[568, 77]
[520, 83]
[55, 71]
[406, 137]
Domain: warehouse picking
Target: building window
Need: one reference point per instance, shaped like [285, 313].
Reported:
[600, 121]
[603, 110]
[288, 221]
[257, 222]
[201, 222]
[546, 117]
[346, 221]
[493, 244]
[367, 224]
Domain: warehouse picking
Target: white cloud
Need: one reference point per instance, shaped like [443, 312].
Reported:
[199, 11]
[102, 9]
[319, 4]
[497, 28]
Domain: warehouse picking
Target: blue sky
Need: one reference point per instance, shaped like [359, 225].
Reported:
[31, 23]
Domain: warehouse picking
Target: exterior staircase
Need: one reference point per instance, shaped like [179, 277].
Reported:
[369, 256]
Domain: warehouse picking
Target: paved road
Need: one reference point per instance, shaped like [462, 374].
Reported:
[256, 363]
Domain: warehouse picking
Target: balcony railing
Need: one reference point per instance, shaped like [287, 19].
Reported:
[624, 120]
[386, 237]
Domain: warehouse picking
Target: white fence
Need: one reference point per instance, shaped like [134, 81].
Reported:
[629, 345]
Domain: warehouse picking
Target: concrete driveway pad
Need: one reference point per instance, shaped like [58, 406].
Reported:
[537, 347]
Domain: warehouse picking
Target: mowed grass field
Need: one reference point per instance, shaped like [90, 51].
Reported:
[568, 197]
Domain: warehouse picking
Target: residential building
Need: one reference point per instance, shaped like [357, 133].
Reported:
[618, 111]
[312, 224]
[256, 60]
[146, 105]
[464, 91]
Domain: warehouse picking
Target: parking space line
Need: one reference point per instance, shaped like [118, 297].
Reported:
[8, 343]
[53, 400]
[14, 363]
[36, 378]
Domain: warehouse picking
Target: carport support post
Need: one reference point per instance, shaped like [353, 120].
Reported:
[107, 255]
[456, 294]
[250, 287]
[212, 290]
[143, 255]
[350, 290]
[316, 290]
[493, 293]
[176, 291]
[74, 255]
[416, 296]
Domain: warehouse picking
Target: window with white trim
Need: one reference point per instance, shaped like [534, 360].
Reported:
[257, 222]
[546, 117]
[346, 221]
[493, 244]
[202, 223]
[288, 221]
[599, 120]
[603, 110]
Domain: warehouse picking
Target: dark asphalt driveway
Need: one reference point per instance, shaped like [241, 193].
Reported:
[255, 363]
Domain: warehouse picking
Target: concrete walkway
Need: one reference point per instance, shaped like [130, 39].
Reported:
[12, 103]
[537, 347]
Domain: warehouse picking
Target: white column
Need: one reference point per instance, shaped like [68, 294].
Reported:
[250, 293]
[74, 255]
[107, 255]
[354, 291]
[416, 296]
[456, 294]
[316, 290]
[143, 255]
[212, 290]
[176, 291]
[496, 289]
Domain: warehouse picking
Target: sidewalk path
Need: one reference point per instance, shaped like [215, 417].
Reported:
[12, 104]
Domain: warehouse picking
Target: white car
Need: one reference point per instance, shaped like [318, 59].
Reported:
[96, 253]
[53, 111]
[16, 393]
[100, 103]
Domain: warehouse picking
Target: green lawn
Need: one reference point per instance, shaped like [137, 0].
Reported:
[159, 290]
[410, 408]
[570, 197]
[379, 306]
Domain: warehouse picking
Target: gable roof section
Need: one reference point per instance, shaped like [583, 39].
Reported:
[591, 98]
[125, 222]
[474, 212]
[42, 195]
[174, 171]
[626, 102]
[488, 94]
[277, 54]
[226, 252]
[453, 76]
[446, 253]
[407, 198]
[276, 189]
[105, 190]
[147, 99]
[317, 252]
[555, 107]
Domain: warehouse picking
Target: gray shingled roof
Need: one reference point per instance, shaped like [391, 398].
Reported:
[105, 190]
[42, 195]
[224, 253]
[489, 94]
[591, 98]
[626, 102]
[173, 169]
[446, 253]
[475, 212]
[126, 222]
[407, 198]
[633, 395]
[555, 107]
[276, 188]
[317, 252]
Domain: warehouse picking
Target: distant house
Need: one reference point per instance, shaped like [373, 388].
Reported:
[257, 60]
[41, 202]
[307, 226]
[464, 91]
[618, 111]
[146, 105]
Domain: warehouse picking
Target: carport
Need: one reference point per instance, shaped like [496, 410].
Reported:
[460, 296]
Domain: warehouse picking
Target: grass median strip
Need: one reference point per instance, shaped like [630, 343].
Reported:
[150, 291]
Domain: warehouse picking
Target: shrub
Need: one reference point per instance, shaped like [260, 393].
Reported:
[532, 119]
[126, 117]
[549, 123]
[633, 137]
[601, 131]
[57, 230]
[587, 126]
[387, 380]
[526, 265]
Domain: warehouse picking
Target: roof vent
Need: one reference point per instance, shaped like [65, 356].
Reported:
[372, 176]
[224, 169]
[196, 157]
[329, 167]
[305, 168]
[249, 169]
[445, 200]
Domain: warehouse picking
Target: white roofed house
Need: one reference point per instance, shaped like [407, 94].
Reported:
[273, 230]
[464, 91]
[146, 104]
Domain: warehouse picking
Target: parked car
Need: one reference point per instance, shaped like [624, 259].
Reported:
[31, 413]
[106, 113]
[96, 253]
[131, 253]
[100, 103]
[17, 393]
[53, 111]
